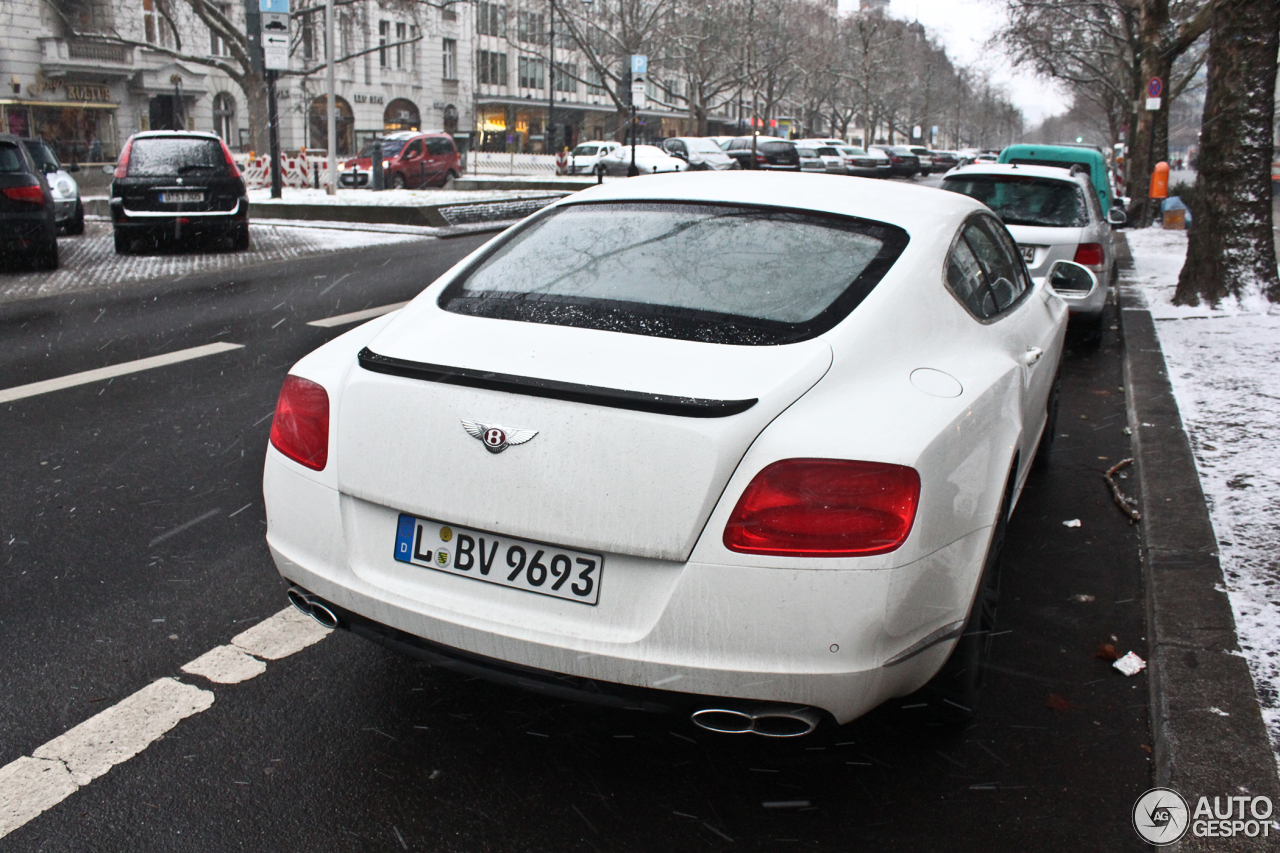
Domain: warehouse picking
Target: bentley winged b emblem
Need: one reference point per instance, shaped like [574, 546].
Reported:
[497, 438]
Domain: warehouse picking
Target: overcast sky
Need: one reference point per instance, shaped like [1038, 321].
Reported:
[964, 26]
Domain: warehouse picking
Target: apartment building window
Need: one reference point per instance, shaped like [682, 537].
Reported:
[450, 54]
[491, 67]
[384, 38]
[595, 83]
[566, 77]
[155, 28]
[402, 33]
[531, 76]
[492, 20]
[217, 45]
[308, 38]
[416, 34]
[533, 27]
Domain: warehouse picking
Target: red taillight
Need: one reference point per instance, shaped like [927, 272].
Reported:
[32, 194]
[1089, 254]
[825, 508]
[300, 428]
[122, 168]
[231, 161]
[760, 158]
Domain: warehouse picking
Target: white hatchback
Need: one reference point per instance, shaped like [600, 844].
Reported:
[727, 443]
[585, 157]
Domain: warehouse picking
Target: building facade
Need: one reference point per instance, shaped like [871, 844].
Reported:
[86, 74]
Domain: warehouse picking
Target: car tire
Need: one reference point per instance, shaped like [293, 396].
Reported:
[397, 182]
[123, 244]
[76, 226]
[240, 242]
[956, 689]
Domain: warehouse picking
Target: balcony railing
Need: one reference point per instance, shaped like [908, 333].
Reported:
[99, 51]
[84, 53]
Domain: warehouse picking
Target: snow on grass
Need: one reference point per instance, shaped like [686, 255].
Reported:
[393, 198]
[1224, 365]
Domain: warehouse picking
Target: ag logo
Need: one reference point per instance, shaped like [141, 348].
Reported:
[497, 438]
[1160, 816]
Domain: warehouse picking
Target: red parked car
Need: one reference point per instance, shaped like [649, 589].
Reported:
[410, 159]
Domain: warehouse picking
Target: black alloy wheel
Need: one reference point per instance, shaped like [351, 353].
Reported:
[397, 181]
[76, 226]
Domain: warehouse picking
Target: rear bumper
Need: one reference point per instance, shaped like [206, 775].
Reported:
[808, 637]
[24, 232]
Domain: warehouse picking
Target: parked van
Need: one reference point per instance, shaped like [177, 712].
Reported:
[1064, 157]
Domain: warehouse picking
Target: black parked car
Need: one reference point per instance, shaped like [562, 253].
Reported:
[27, 221]
[771, 153]
[901, 160]
[175, 184]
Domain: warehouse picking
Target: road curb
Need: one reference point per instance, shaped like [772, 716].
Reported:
[1208, 733]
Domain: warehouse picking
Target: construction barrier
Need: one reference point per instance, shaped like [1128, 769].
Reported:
[492, 163]
[297, 172]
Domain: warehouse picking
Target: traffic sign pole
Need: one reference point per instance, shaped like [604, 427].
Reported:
[275, 56]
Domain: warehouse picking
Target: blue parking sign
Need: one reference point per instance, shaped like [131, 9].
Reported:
[279, 7]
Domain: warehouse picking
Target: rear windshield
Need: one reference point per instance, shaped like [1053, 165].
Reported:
[700, 272]
[175, 156]
[828, 152]
[849, 149]
[806, 152]
[704, 146]
[1061, 164]
[1025, 201]
[775, 147]
[11, 158]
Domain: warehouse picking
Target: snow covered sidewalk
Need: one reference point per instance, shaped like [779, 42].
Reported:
[1224, 366]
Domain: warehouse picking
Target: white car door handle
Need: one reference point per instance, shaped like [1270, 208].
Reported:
[1032, 355]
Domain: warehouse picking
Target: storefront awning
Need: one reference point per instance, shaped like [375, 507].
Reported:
[82, 105]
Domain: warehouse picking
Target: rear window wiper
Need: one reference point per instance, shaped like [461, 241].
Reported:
[182, 170]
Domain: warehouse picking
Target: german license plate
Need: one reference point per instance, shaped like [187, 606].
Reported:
[502, 560]
[1028, 253]
[181, 197]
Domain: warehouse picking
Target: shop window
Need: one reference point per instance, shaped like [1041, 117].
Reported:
[531, 73]
[450, 54]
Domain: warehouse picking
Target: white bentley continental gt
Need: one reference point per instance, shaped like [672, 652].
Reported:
[741, 445]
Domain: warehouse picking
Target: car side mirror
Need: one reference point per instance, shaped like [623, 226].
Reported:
[1116, 216]
[108, 169]
[1070, 280]
[48, 168]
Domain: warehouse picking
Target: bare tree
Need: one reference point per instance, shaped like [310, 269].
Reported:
[703, 39]
[1230, 248]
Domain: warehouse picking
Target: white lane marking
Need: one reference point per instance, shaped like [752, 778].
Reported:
[125, 729]
[357, 316]
[287, 632]
[85, 377]
[31, 785]
[28, 787]
[226, 665]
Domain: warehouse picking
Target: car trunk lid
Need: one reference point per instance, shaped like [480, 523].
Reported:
[632, 447]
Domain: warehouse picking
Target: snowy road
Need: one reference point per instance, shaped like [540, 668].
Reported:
[89, 262]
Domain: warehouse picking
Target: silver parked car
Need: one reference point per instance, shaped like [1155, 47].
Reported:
[701, 153]
[1054, 215]
[809, 160]
[68, 210]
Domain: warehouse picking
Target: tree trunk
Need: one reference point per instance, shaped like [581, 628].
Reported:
[1154, 62]
[1230, 247]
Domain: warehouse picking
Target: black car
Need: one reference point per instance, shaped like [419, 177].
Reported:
[28, 227]
[771, 153]
[945, 161]
[176, 184]
[901, 160]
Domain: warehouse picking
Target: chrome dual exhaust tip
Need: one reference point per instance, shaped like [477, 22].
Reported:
[313, 606]
[766, 721]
